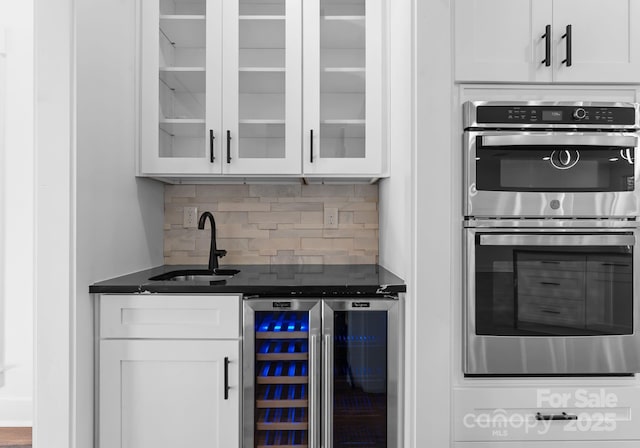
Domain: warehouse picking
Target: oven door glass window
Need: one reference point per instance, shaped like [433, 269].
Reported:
[551, 168]
[534, 285]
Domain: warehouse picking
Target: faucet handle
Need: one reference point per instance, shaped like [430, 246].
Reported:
[220, 253]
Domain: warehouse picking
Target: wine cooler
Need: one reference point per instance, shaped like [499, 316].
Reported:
[322, 373]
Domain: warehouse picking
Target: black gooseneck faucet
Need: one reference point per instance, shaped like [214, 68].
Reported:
[214, 253]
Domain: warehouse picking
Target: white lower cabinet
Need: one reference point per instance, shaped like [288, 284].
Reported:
[169, 391]
[495, 416]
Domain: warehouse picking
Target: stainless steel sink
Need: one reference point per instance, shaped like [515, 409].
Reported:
[199, 278]
[196, 275]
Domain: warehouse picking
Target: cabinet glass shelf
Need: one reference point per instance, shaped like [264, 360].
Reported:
[183, 79]
[182, 7]
[262, 8]
[342, 32]
[262, 17]
[182, 17]
[184, 32]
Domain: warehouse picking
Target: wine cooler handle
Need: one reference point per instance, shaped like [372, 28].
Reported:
[327, 376]
[226, 377]
[313, 398]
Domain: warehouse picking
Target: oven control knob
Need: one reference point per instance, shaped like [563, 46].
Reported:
[579, 113]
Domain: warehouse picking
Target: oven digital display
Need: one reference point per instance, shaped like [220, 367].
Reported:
[552, 115]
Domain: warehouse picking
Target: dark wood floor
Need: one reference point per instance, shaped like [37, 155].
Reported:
[15, 437]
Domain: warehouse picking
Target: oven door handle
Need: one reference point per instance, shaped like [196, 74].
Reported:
[557, 139]
[556, 240]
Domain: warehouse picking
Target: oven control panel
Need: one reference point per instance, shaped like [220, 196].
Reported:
[570, 115]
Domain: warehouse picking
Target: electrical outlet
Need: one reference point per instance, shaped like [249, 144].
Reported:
[190, 217]
[330, 218]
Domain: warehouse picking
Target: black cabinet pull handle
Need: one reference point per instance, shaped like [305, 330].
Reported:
[226, 377]
[547, 46]
[228, 146]
[550, 262]
[567, 36]
[563, 416]
[311, 145]
[211, 139]
[621, 265]
[550, 283]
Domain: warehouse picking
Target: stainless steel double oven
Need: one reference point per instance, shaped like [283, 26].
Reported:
[550, 235]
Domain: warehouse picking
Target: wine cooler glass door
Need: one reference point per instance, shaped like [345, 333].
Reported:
[283, 384]
[357, 397]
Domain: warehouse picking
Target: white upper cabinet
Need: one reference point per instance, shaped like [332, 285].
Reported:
[605, 40]
[547, 41]
[225, 88]
[501, 40]
[181, 86]
[342, 87]
[262, 80]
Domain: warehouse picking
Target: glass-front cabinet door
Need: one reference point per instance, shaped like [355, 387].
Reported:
[342, 131]
[181, 86]
[262, 79]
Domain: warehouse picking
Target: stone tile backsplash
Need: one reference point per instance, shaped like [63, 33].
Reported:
[274, 224]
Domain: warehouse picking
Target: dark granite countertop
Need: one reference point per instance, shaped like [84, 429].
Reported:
[267, 280]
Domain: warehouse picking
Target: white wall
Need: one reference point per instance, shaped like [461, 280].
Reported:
[2, 200]
[95, 219]
[54, 144]
[17, 175]
[396, 192]
[119, 218]
[435, 224]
